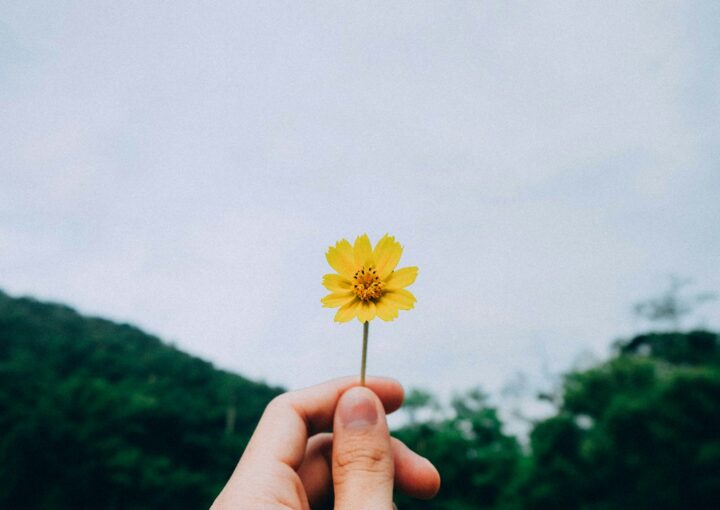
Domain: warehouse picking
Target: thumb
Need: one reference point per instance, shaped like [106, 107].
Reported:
[362, 464]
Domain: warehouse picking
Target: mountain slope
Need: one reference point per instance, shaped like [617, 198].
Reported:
[96, 414]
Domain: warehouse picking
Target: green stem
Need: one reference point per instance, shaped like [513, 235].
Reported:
[366, 325]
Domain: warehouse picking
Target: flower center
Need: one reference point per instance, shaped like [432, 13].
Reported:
[367, 285]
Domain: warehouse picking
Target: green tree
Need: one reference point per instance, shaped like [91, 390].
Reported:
[476, 459]
[101, 415]
[641, 431]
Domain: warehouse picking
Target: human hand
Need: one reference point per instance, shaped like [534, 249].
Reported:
[291, 462]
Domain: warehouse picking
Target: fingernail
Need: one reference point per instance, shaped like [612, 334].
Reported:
[357, 408]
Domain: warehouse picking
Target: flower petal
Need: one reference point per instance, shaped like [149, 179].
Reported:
[363, 251]
[386, 310]
[401, 298]
[337, 299]
[336, 283]
[366, 312]
[348, 311]
[341, 259]
[401, 278]
[387, 255]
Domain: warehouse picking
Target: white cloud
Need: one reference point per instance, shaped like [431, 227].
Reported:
[185, 169]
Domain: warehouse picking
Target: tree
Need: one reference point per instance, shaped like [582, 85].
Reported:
[476, 459]
[101, 415]
[671, 307]
[639, 431]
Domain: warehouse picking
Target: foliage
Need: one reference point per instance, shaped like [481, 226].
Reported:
[101, 415]
[476, 459]
[97, 414]
[639, 431]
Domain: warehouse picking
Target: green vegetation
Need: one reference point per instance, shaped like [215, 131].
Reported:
[639, 431]
[101, 415]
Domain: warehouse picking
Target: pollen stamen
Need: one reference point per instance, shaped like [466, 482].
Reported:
[367, 286]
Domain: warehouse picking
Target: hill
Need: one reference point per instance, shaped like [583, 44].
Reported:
[96, 414]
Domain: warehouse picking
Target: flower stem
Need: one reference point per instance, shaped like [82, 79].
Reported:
[366, 325]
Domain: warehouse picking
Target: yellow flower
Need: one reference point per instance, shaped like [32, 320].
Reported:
[367, 284]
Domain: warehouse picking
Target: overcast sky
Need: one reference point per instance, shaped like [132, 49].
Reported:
[185, 165]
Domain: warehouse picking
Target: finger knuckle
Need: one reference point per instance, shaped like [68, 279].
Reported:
[279, 403]
[362, 458]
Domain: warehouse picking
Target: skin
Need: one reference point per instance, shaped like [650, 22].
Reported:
[293, 462]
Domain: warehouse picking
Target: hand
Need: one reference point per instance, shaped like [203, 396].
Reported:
[291, 462]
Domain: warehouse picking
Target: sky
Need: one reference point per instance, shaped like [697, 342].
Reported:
[183, 166]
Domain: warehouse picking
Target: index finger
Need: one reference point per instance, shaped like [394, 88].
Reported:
[288, 421]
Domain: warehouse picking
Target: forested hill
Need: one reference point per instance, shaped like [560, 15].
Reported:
[96, 414]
